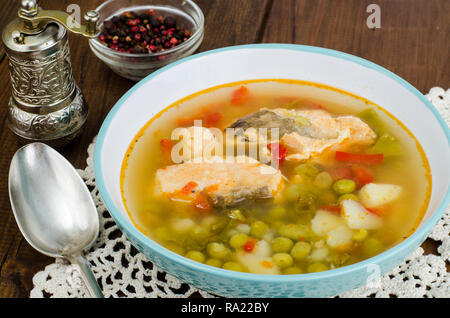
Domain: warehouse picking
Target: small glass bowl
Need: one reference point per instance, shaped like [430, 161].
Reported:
[136, 66]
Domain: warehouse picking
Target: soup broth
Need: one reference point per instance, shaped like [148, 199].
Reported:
[346, 179]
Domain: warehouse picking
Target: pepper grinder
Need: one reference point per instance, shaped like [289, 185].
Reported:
[46, 105]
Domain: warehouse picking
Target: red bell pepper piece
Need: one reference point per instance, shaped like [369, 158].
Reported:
[368, 159]
[278, 152]
[362, 176]
[249, 245]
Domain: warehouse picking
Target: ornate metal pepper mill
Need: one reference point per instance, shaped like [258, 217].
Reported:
[46, 104]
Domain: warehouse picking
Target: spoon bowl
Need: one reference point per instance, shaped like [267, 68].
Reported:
[53, 207]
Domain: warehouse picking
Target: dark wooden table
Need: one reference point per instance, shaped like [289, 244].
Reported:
[413, 42]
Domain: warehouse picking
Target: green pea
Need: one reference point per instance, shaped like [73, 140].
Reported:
[214, 262]
[175, 248]
[323, 180]
[277, 212]
[300, 250]
[236, 214]
[340, 258]
[306, 170]
[361, 235]
[283, 260]
[348, 196]
[306, 202]
[293, 231]
[163, 233]
[328, 197]
[258, 229]
[372, 246]
[238, 240]
[199, 233]
[233, 266]
[317, 267]
[282, 245]
[292, 270]
[196, 256]
[218, 250]
[291, 192]
[344, 186]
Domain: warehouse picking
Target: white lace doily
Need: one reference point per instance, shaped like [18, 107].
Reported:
[124, 272]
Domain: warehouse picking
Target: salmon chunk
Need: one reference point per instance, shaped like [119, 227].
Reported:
[224, 183]
[308, 133]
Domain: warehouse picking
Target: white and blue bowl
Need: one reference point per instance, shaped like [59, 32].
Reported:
[262, 61]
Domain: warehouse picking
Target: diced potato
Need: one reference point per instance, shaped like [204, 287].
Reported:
[340, 238]
[258, 261]
[262, 248]
[181, 226]
[324, 221]
[374, 195]
[319, 254]
[357, 217]
[243, 228]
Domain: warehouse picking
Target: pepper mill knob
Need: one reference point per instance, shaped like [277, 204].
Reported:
[29, 8]
[36, 18]
[91, 17]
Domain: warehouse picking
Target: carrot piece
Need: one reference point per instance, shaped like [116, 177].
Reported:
[201, 203]
[309, 104]
[249, 245]
[340, 172]
[211, 189]
[212, 119]
[240, 95]
[266, 264]
[166, 147]
[189, 187]
[362, 175]
[375, 159]
[166, 144]
[184, 122]
[376, 211]
[332, 208]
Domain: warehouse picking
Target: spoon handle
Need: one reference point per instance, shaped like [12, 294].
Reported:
[87, 275]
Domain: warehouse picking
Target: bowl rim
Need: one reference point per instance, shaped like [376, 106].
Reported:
[196, 36]
[416, 237]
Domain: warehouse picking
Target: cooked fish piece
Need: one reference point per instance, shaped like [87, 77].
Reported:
[196, 141]
[308, 133]
[225, 183]
[266, 118]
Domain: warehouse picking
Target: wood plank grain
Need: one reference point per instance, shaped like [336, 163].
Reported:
[412, 41]
[8, 9]
[228, 22]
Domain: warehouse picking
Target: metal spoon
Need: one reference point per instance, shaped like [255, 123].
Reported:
[53, 207]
